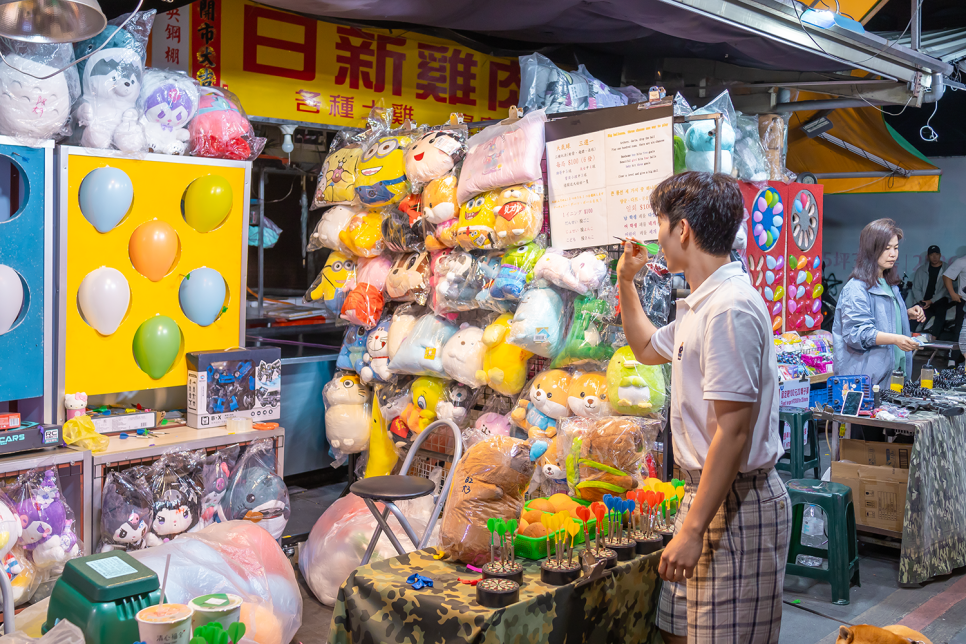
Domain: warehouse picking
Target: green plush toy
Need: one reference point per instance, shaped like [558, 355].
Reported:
[680, 150]
[585, 342]
[634, 389]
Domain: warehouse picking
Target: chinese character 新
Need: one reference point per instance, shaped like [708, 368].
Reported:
[341, 106]
[361, 65]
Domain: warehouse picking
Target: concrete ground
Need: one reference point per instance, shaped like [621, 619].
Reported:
[937, 609]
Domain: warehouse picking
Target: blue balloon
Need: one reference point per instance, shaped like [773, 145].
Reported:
[105, 196]
[202, 295]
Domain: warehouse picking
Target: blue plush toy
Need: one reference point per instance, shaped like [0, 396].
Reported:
[421, 353]
[539, 324]
[699, 140]
[353, 348]
[256, 493]
[516, 271]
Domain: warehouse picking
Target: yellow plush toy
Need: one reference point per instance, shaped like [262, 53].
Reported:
[421, 412]
[381, 178]
[504, 365]
[519, 214]
[474, 231]
[339, 170]
[363, 234]
[382, 455]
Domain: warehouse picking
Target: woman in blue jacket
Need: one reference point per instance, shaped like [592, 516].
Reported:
[871, 334]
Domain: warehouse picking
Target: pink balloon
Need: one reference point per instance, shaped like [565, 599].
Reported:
[762, 204]
[792, 306]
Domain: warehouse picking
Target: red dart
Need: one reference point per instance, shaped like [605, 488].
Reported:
[583, 513]
[599, 510]
[660, 497]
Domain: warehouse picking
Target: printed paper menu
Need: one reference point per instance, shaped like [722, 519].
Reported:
[600, 181]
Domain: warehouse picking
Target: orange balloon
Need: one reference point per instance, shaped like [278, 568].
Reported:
[154, 247]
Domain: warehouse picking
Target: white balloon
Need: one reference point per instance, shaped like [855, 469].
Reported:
[104, 296]
[11, 297]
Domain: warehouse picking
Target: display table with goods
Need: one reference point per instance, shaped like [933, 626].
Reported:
[911, 491]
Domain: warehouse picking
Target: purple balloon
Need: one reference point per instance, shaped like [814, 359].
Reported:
[762, 204]
[780, 262]
[816, 306]
[756, 216]
[758, 230]
[777, 210]
[775, 310]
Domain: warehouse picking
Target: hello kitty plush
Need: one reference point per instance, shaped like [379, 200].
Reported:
[30, 107]
[169, 101]
[47, 535]
[75, 404]
[108, 110]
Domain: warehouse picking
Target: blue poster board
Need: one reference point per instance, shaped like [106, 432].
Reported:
[26, 246]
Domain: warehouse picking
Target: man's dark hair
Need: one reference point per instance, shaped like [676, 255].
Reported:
[710, 203]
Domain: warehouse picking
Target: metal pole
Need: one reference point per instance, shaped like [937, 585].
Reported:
[916, 25]
[717, 142]
[261, 241]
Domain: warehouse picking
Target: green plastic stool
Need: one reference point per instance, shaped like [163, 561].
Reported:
[843, 545]
[797, 464]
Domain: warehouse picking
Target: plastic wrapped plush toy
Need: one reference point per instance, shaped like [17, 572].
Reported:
[547, 404]
[586, 339]
[427, 392]
[353, 348]
[126, 512]
[375, 361]
[326, 234]
[337, 180]
[408, 279]
[516, 271]
[539, 323]
[168, 102]
[256, 493]
[582, 274]
[363, 234]
[220, 129]
[108, 110]
[458, 282]
[633, 388]
[336, 278]
[403, 320]
[519, 214]
[489, 483]
[381, 179]
[604, 456]
[475, 228]
[434, 153]
[699, 141]
[438, 199]
[545, 86]
[176, 489]
[504, 365]
[215, 476]
[48, 537]
[346, 413]
[401, 233]
[456, 401]
[421, 353]
[587, 396]
[363, 305]
[463, 355]
[503, 155]
[32, 108]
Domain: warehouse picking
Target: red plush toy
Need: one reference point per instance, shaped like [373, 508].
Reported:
[220, 129]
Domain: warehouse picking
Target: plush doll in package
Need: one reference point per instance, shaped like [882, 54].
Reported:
[22, 574]
[176, 489]
[326, 233]
[220, 129]
[435, 153]
[363, 305]
[545, 86]
[635, 389]
[127, 512]
[333, 282]
[347, 413]
[408, 279]
[375, 361]
[603, 456]
[489, 482]
[363, 234]
[587, 339]
[504, 365]
[547, 402]
[421, 353]
[215, 476]
[506, 154]
[31, 108]
[49, 535]
[337, 180]
[256, 492]
[353, 348]
[169, 100]
[381, 179]
[583, 273]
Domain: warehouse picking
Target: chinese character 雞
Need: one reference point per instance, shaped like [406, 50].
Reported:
[402, 112]
[431, 74]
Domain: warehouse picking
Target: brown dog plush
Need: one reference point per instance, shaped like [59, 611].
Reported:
[489, 482]
[610, 458]
[865, 634]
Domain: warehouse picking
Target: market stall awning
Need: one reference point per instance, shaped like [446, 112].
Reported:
[862, 149]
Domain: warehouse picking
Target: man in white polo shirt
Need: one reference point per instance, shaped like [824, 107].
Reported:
[725, 566]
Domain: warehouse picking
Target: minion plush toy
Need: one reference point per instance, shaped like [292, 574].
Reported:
[381, 173]
[330, 285]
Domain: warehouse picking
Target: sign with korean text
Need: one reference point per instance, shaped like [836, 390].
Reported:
[602, 166]
[285, 66]
[794, 393]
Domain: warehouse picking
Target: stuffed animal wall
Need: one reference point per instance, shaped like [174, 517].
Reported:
[29, 107]
[381, 179]
[504, 365]
[408, 279]
[585, 341]
[477, 221]
[633, 388]
[421, 353]
[539, 324]
[606, 458]
[463, 355]
[339, 171]
[547, 404]
[363, 234]
[375, 361]
[346, 416]
[169, 101]
[335, 279]
[519, 214]
[108, 110]
[363, 305]
[587, 396]
[435, 153]
[256, 492]
[489, 482]
[326, 233]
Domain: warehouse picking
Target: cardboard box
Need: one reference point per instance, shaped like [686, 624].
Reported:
[876, 453]
[879, 493]
[122, 420]
[9, 420]
[246, 383]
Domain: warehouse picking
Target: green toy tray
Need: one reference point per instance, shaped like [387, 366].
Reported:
[536, 547]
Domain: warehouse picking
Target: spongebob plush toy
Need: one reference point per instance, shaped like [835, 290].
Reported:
[634, 389]
[475, 228]
[504, 365]
[381, 176]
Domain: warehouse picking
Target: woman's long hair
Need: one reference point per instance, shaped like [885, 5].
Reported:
[872, 243]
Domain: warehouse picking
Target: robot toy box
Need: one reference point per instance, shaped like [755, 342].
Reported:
[245, 383]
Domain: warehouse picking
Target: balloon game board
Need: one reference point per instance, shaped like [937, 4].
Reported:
[153, 264]
[26, 274]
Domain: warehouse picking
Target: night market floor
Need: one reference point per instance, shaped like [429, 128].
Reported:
[937, 609]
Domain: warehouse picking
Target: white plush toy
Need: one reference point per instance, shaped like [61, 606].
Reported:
[29, 107]
[403, 321]
[346, 417]
[376, 358]
[169, 101]
[582, 274]
[108, 111]
[463, 355]
[334, 220]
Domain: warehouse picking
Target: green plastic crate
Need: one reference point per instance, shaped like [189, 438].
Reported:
[536, 548]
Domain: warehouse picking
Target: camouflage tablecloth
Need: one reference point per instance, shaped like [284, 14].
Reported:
[934, 530]
[375, 605]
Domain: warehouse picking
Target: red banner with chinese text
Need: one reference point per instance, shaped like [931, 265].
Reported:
[287, 66]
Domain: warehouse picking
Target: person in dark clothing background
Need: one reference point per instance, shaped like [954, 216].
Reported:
[929, 292]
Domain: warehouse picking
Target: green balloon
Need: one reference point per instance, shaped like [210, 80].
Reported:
[156, 345]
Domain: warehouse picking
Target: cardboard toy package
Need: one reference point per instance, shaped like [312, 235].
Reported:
[244, 383]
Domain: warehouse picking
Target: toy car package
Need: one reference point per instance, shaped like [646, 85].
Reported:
[245, 383]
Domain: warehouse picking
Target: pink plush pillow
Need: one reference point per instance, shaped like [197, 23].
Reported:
[503, 155]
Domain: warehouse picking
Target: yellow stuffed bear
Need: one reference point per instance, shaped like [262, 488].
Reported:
[504, 365]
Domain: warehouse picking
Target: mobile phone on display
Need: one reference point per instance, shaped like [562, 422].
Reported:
[852, 403]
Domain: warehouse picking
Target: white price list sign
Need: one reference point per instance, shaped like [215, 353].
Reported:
[601, 180]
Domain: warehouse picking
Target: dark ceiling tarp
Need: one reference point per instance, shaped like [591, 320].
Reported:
[570, 22]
